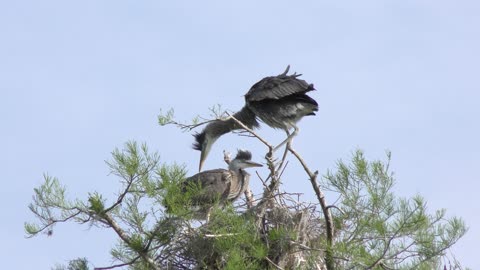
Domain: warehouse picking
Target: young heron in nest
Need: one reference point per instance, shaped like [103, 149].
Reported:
[220, 186]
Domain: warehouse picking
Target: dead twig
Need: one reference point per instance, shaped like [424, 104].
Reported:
[251, 132]
[118, 265]
[274, 264]
[325, 209]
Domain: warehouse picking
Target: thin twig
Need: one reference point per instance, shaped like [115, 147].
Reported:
[336, 207]
[123, 194]
[305, 247]
[186, 127]
[251, 131]
[264, 182]
[118, 265]
[220, 235]
[51, 221]
[274, 264]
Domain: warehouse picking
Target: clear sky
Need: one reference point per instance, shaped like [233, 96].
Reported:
[79, 78]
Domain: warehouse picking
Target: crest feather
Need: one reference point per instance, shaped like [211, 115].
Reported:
[244, 154]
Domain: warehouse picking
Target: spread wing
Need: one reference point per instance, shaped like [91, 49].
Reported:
[276, 87]
[209, 186]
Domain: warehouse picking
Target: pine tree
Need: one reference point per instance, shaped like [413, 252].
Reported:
[367, 228]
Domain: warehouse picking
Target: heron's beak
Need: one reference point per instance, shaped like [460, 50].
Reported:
[203, 155]
[253, 164]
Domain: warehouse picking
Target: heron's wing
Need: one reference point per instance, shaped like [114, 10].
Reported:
[277, 87]
[213, 185]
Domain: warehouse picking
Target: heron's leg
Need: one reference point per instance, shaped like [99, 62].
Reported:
[287, 141]
[289, 137]
[284, 156]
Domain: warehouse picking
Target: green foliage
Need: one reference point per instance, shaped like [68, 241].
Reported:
[167, 118]
[50, 206]
[133, 161]
[232, 242]
[96, 203]
[176, 198]
[137, 243]
[152, 217]
[375, 228]
[76, 264]
[280, 238]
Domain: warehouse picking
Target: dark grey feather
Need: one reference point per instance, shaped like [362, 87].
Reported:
[277, 87]
[219, 127]
[279, 101]
[213, 185]
[244, 155]
[199, 139]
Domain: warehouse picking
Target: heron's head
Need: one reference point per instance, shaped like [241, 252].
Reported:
[203, 143]
[243, 160]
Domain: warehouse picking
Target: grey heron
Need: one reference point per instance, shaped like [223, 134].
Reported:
[220, 185]
[278, 101]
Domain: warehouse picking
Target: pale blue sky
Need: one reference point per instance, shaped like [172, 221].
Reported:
[79, 78]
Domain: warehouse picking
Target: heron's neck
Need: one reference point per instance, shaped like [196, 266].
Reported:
[239, 186]
[219, 127]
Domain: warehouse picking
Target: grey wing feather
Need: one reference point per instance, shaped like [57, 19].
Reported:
[214, 185]
[277, 87]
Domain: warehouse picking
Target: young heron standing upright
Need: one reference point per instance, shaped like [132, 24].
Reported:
[278, 101]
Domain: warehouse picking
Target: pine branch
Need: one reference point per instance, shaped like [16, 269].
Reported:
[124, 236]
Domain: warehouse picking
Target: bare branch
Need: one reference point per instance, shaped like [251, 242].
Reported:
[122, 195]
[276, 266]
[325, 208]
[220, 235]
[251, 132]
[187, 127]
